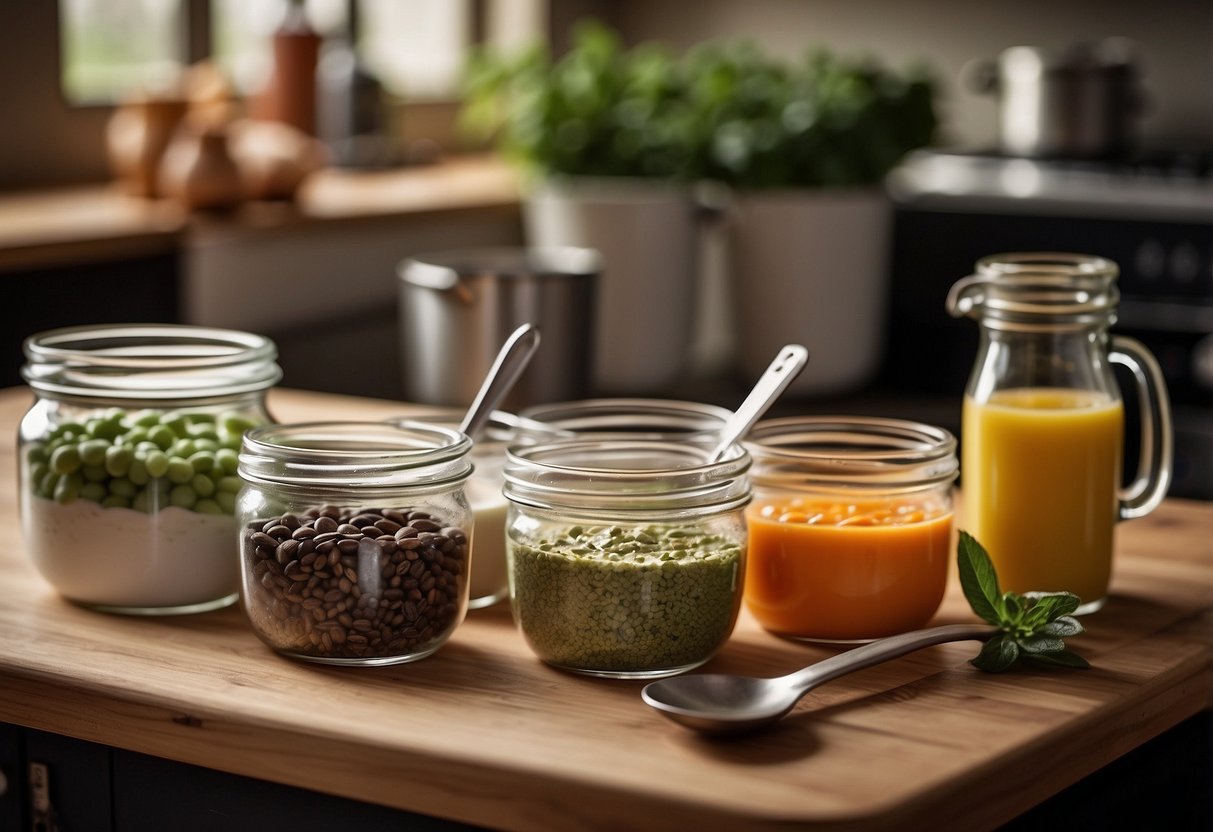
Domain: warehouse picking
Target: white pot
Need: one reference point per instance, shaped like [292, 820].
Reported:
[811, 267]
[646, 233]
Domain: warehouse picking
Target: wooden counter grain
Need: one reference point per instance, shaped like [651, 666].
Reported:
[483, 733]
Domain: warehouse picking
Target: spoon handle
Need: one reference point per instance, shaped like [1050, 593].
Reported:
[783, 370]
[882, 650]
[511, 360]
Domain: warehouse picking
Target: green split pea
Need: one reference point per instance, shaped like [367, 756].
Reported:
[625, 599]
[145, 460]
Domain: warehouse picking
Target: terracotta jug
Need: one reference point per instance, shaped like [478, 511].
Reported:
[199, 172]
[137, 136]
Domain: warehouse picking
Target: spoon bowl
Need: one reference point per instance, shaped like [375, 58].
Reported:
[715, 703]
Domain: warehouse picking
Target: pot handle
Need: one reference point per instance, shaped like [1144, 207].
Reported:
[1155, 462]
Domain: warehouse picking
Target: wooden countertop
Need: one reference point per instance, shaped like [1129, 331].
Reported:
[100, 222]
[482, 732]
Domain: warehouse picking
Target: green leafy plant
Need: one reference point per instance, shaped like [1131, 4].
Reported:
[723, 111]
[1034, 624]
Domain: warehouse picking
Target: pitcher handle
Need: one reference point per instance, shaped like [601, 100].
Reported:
[1154, 464]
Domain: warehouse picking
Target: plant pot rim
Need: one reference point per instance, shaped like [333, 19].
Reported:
[610, 187]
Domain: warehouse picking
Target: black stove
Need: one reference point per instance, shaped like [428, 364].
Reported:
[1150, 212]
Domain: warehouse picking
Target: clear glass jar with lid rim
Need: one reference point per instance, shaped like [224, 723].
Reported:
[127, 472]
[355, 539]
[626, 556]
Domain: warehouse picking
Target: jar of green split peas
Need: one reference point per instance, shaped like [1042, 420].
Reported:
[128, 461]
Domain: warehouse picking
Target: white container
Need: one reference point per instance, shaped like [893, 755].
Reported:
[646, 232]
[810, 266]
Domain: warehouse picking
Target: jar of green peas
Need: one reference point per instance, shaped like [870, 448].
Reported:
[128, 461]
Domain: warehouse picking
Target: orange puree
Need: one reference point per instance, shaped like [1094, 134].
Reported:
[846, 571]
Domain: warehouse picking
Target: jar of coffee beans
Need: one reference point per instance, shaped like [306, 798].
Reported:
[355, 538]
[626, 556]
[128, 461]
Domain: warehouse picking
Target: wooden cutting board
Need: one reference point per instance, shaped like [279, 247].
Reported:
[484, 733]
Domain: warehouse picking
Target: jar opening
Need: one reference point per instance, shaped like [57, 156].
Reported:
[653, 418]
[149, 361]
[633, 477]
[851, 453]
[356, 454]
[1038, 290]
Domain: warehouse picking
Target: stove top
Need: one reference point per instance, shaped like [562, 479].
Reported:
[1172, 185]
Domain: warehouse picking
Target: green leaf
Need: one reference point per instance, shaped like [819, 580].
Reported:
[1055, 603]
[978, 580]
[997, 655]
[1063, 658]
[1012, 609]
[1063, 627]
[1041, 644]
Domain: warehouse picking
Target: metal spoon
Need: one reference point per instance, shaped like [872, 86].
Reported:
[511, 360]
[716, 703]
[783, 370]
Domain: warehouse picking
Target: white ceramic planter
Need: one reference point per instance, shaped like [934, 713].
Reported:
[811, 267]
[646, 300]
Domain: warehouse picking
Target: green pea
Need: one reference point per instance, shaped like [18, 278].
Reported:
[37, 471]
[143, 502]
[204, 431]
[179, 471]
[226, 501]
[233, 422]
[146, 418]
[65, 459]
[116, 501]
[123, 487]
[162, 436]
[118, 459]
[227, 460]
[175, 422]
[157, 464]
[93, 491]
[183, 496]
[68, 429]
[134, 436]
[146, 447]
[229, 485]
[138, 473]
[92, 451]
[37, 453]
[67, 489]
[94, 473]
[46, 486]
[182, 448]
[204, 444]
[205, 506]
[108, 429]
[202, 461]
[204, 485]
[199, 417]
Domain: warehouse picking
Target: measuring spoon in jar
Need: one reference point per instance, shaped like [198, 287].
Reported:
[783, 370]
[511, 360]
[721, 703]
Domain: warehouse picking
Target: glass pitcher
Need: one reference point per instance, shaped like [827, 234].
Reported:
[1043, 426]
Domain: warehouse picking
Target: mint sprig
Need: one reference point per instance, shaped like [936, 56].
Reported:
[1034, 624]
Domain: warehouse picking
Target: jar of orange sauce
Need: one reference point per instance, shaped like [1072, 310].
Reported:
[850, 530]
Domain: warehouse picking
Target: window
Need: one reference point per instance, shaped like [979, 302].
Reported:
[111, 46]
[415, 47]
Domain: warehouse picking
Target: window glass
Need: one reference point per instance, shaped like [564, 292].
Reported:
[416, 47]
[111, 48]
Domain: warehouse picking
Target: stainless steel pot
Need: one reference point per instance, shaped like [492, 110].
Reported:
[1082, 102]
[458, 307]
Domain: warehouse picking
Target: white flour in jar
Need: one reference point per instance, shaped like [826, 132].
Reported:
[487, 579]
[120, 557]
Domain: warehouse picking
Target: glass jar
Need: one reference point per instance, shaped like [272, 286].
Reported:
[639, 418]
[354, 539]
[127, 474]
[851, 525]
[1043, 424]
[487, 583]
[626, 557]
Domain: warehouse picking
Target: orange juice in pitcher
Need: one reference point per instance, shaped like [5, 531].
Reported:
[1043, 425]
